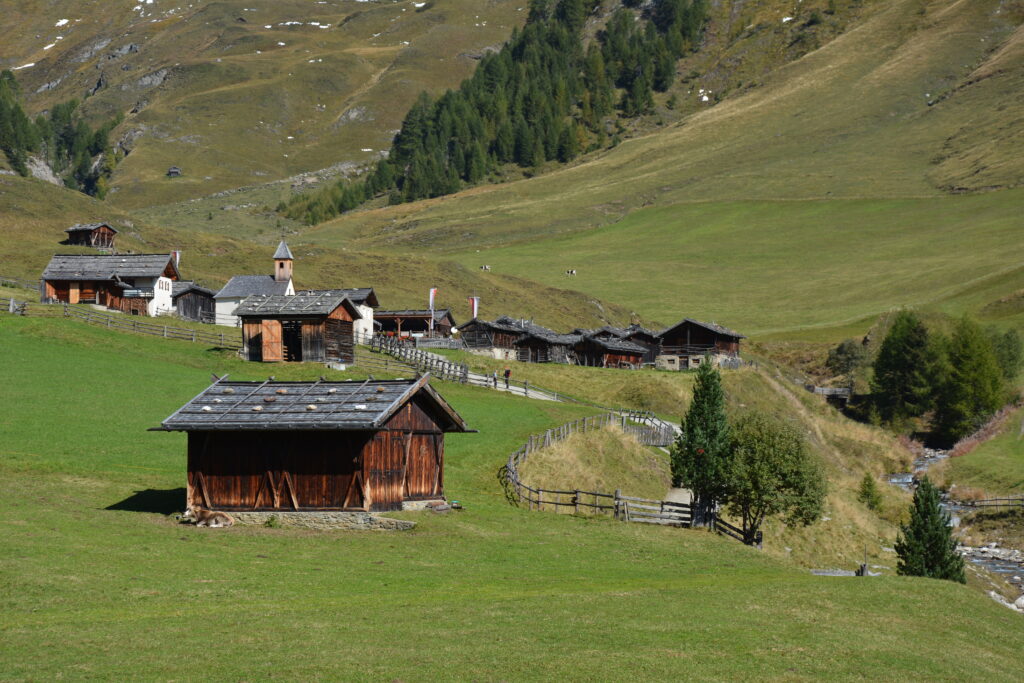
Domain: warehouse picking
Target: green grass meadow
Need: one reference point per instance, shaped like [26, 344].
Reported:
[100, 582]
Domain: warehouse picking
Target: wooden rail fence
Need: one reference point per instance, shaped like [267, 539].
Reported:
[121, 322]
[648, 431]
[994, 503]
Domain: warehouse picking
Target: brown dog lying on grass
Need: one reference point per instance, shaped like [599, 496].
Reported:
[208, 518]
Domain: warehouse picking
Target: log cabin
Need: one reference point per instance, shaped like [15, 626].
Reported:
[301, 328]
[684, 344]
[497, 338]
[542, 347]
[609, 352]
[98, 235]
[315, 446]
[138, 284]
[365, 301]
[192, 302]
[415, 323]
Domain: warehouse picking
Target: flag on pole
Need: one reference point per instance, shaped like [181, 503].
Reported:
[433, 292]
[474, 306]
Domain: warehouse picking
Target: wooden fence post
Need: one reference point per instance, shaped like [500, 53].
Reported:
[576, 500]
[615, 511]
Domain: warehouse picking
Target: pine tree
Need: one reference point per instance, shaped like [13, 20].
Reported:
[903, 383]
[1009, 352]
[868, 492]
[973, 388]
[926, 546]
[701, 455]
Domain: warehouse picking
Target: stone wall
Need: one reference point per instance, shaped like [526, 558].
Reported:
[324, 520]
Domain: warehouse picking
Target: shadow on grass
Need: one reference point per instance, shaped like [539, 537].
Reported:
[162, 501]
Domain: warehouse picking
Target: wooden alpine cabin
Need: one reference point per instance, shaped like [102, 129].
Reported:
[309, 446]
[300, 328]
[497, 338]
[608, 352]
[139, 284]
[415, 323]
[684, 344]
[543, 347]
[98, 235]
[192, 302]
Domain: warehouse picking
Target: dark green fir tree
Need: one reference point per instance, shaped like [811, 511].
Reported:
[925, 546]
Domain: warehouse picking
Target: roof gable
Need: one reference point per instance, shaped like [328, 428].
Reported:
[714, 327]
[272, 405]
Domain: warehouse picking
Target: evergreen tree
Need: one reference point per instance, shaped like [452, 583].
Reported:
[701, 453]
[925, 546]
[903, 382]
[973, 387]
[1009, 352]
[868, 493]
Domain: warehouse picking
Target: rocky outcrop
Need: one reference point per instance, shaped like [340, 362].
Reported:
[40, 169]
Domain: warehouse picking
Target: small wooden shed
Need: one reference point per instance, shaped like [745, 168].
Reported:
[298, 328]
[192, 302]
[309, 446]
[99, 235]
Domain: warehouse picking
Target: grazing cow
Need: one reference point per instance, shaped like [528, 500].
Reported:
[485, 268]
[571, 272]
[210, 518]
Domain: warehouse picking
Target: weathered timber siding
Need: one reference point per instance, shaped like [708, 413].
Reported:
[192, 304]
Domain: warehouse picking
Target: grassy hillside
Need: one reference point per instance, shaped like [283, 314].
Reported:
[95, 567]
[996, 467]
[236, 92]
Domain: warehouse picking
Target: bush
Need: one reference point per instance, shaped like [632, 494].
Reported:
[869, 493]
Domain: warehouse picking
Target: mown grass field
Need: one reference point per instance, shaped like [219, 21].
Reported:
[95, 568]
[996, 466]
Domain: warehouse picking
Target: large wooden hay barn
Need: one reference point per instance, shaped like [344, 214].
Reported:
[485, 334]
[308, 446]
[98, 235]
[315, 327]
[415, 323]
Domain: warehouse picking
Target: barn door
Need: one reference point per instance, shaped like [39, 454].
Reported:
[387, 471]
[273, 349]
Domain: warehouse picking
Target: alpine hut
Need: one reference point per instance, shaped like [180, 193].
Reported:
[192, 302]
[139, 284]
[609, 352]
[315, 446]
[415, 323]
[536, 346]
[99, 235]
[310, 327]
[365, 301]
[684, 344]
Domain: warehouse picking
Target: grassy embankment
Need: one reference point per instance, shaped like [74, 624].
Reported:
[94, 567]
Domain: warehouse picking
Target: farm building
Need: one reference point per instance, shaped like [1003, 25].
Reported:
[99, 235]
[608, 353]
[242, 286]
[315, 446]
[684, 344]
[139, 284]
[365, 301]
[415, 323]
[298, 328]
[543, 347]
[192, 302]
[646, 338]
[497, 338]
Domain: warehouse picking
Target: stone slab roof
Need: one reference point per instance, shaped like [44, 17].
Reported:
[89, 227]
[297, 305]
[241, 286]
[273, 405]
[105, 266]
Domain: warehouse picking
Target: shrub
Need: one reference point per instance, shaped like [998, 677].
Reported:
[869, 493]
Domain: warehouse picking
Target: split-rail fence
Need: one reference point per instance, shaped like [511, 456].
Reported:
[649, 431]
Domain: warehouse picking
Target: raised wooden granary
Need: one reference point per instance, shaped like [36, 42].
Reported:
[310, 327]
[308, 446]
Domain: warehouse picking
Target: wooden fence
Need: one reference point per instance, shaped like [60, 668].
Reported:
[648, 430]
[116, 321]
[994, 503]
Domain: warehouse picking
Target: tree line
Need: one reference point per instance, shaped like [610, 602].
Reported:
[543, 97]
[951, 383]
[80, 155]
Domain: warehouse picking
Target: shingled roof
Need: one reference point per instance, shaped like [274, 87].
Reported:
[88, 227]
[105, 266]
[182, 286]
[241, 286]
[714, 327]
[439, 314]
[550, 338]
[283, 251]
[613, 344]
[357, 295]
[295, 305]
[274, 405]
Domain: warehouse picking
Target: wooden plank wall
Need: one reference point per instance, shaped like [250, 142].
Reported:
[252, 340]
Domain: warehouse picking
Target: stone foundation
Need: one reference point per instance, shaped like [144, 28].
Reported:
[418, 505]
[324, 520]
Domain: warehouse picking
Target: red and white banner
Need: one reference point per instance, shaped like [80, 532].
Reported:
[433, 293]
[474, 306]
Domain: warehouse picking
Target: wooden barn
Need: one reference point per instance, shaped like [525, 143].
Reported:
[138, 284]
[646, 338]
[694, 338]
[192, 302]
[608, 353]
[315, 446]
[299, 328]
[485, 334]
[98, 235]
[542, 347]
[415, 323]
